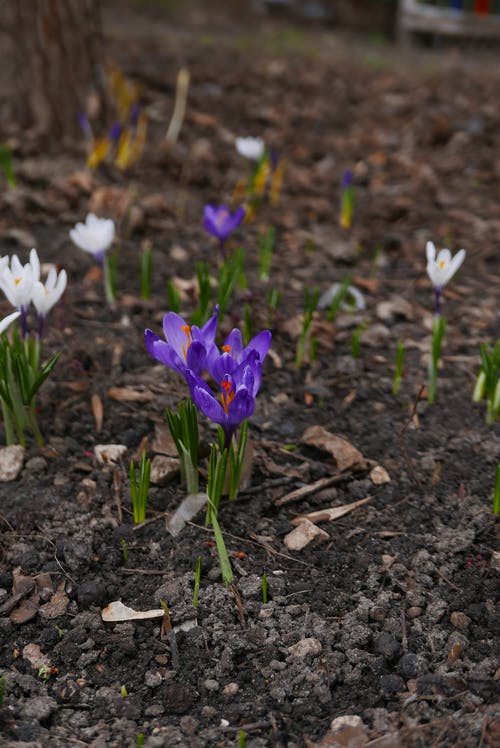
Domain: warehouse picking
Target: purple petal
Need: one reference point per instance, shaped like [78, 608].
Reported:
[209, 329]
[208, 405]
[174, 334]
[223, 364]
[235, 343]
[241, 408]
[259, 343]
[196, 356]
[163, 352]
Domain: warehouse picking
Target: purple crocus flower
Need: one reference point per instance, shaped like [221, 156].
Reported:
[218, 221]
[115, 132]
[185, 346]
[233, 353]
[237, 392]
[347, 179]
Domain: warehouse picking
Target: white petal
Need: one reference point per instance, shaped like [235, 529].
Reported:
[7, 321]
[35, 264]
[457, 261]
[430, 251]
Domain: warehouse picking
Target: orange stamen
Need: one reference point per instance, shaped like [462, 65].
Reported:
[17, 281]
[442, 263]
[226, 348]
[184, 348]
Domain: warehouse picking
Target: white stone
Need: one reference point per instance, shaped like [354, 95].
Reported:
[11, 462]
[309, 647]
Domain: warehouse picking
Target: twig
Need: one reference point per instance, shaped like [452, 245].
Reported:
[167, 630]
[152, 572]
[239, 603]
[303, 491]
[254, 542]
[181, 93]
[4, 519]
[63, 571]
[117, 486]
[445, 579]
[401, 444]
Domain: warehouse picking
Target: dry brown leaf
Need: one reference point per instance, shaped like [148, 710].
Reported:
[80, 386]
[330, 513]
[34, 655]
[345, 455]
[97, 411]
[117, 611]
[26, 611]
[128, 395]
[379, 475]
[163, 442]
[304, 534]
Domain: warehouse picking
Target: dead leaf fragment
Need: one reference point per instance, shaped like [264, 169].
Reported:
[379, 475]
[129, 395]
[345, 455]
[163, 469]
[97, 411]
[106, 453]
[304, 534]
[330, 513]
[56, 607]
[117, 611]
[185, 512]
[26, 611]
[163, 441]
[34, 655]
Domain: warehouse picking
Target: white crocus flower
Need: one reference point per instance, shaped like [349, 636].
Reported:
[45, 296]
[17, 281]
[7, 321]
[94, 236]
[442, 268]
[251, 148]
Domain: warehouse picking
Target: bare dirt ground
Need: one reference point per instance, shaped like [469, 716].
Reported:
[390, 616]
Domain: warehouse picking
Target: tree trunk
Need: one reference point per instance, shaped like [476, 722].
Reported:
[56, 50]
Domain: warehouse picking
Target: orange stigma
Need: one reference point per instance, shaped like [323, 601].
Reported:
[17, 281]
[187, 331]
[226, 349]
[442, 263]
[227, 396]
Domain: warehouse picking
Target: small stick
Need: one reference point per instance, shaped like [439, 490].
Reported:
[167, 630]
[299, 493]
[239, 603]
[117, 485]
[181, 93]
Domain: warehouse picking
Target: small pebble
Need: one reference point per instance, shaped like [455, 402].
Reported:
[392, 684]
[412, 665]
[414, 612]
[231, 689]
[152, 679]
[460, 620]
[211, 685]
[306, 647]
[387, 646]
[36, 465]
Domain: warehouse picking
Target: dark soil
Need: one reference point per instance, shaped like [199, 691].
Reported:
[394, 610]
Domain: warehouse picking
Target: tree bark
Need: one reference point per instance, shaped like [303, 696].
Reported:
[56, 50]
